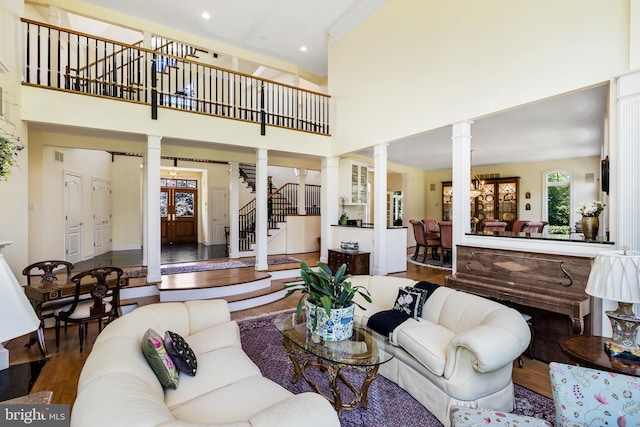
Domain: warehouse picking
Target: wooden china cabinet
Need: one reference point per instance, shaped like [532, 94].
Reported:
[498, 199]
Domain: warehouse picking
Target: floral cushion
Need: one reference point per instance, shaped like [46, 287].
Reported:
[161, 363]
[181, 353]
[461, 416]
[590, 397]
[408, 302]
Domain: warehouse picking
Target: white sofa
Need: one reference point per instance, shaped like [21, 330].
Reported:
[117, 387]
[459, 352]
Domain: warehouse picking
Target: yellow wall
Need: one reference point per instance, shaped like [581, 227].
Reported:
[531, 179]
[417, 65]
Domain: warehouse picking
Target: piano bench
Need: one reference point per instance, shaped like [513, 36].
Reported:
[529, 351]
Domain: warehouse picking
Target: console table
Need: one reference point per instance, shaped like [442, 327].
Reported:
[357, 261]
[589, 351]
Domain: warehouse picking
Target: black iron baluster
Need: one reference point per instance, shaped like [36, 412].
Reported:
[38, 58]
[154, 92]
[263, 126]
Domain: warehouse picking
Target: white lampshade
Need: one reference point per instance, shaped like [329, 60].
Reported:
[615, 276]
[17, 316]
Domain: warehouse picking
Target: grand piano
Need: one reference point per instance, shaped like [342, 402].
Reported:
[548, 287]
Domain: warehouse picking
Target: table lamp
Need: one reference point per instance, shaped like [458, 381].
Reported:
[615, 275]
[17, 316]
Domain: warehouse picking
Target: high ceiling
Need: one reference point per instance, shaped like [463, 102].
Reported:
[277, 28]
[566, 126]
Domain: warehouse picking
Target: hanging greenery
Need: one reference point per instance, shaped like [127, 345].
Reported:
[9, 148]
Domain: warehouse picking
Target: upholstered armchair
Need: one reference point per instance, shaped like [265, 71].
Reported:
[594, 397]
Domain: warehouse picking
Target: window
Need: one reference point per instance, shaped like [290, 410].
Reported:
[557, 203]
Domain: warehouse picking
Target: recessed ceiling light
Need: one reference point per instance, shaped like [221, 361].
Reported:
[205, 15]
[303, 49]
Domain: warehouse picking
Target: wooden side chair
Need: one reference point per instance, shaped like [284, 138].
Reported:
[103, 284]
[446, 239]
[534, 226]
[47, 272]
[494, 226]
[423, 241]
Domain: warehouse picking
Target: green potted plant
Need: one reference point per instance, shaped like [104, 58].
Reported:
[329, 300]
[9, 148]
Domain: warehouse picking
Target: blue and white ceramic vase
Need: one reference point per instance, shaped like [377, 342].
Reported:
[337, 327]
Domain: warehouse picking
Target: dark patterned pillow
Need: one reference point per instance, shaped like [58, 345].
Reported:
[408, 302]
[181, 353]
[161, 363]
[424, 294]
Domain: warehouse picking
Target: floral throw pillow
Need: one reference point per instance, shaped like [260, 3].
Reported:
[161, 363]
[408, 302]
[181, 353]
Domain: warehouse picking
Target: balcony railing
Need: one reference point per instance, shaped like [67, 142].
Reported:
[66, 60]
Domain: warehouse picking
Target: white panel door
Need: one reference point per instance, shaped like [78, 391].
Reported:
[101, 217]
[219, 214]
[72, 217]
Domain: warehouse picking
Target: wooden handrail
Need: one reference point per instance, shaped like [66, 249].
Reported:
[151, 51]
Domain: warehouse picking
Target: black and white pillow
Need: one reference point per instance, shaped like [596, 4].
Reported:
[183, 356]
[408, 301]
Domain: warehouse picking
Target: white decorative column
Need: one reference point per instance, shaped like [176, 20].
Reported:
[152, 240]
[302, 194]
[329, 202]
[461, 177]
[234, 209]
[379, 254]
[261, 209]
[625, 157]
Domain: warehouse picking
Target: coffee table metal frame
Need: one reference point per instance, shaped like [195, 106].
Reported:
[365, 351]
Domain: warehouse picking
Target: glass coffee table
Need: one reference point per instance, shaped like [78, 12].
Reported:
[365, 351]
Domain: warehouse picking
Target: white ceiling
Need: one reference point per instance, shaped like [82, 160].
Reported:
[563, 127]
[566, 126]
[277, 28]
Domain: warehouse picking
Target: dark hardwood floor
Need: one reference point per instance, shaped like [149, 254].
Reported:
[60, 374]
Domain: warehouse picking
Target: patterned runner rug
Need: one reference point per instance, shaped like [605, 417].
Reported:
[390, 405]
[193, 267]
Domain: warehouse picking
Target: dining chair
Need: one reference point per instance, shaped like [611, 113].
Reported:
[432, 233]
[103, 284]
[420, 235]
[518, 224]
[494, 226]
[47, 272]
[534, 227]
[446, 239]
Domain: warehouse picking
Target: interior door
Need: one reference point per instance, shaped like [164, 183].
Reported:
[101, 217]
[178, 215]
[219, 213]
[72, 217]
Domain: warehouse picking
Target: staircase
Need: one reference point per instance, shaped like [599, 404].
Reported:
[280, 203]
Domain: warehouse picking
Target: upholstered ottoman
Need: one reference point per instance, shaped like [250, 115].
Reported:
[462, 416]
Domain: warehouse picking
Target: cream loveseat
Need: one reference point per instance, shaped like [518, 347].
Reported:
[459, 352]
[117, 387]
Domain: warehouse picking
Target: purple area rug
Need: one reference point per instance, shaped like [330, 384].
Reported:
[390, 405]
[206, 266]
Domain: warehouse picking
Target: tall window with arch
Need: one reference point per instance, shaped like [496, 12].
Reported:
[557, 192]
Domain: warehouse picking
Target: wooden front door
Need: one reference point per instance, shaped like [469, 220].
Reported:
[178, 212]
